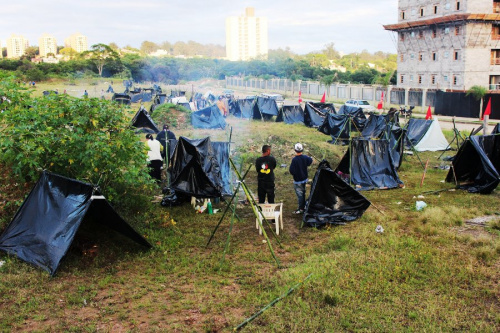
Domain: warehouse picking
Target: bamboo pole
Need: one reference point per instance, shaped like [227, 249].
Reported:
[276, 300]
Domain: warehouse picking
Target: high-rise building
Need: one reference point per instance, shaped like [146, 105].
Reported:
[448, 44]
[47, 44]
[16, 46]
[77, 42]
[246, 36]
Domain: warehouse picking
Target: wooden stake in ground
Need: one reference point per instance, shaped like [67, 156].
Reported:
[425, 171]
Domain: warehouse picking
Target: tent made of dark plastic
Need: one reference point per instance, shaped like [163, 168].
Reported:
[357, 114]
[332, 200]
[208, 118]
[324, 107]
[185, 105]
[45, 225]
[337, 126]
[267, 107]
[476, 165]
[369, 165]
[291, 114]
[196, 170]
[244, 108]
[121, 98]
[376, 126]
[313, 117]
[425, 135]
[135, 97]
[142, 119]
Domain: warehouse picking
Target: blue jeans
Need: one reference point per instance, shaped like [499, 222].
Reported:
[300, 190]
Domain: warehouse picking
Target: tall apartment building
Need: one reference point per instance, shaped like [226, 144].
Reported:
[16, 46]
[47, 44]
[246, 36]
[77, 42]
[448, 44]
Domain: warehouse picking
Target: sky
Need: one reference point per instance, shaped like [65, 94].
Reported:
[303, 26]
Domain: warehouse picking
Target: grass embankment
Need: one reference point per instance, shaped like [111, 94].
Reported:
[428, 271]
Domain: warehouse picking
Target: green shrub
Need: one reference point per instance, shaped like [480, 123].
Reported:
[85, 139]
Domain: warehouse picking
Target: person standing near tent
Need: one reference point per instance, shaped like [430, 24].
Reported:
[154, 158]
[298, 169]
[165, 136]
[222, 106]
[265, 166]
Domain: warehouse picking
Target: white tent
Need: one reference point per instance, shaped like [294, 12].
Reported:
[434, 139]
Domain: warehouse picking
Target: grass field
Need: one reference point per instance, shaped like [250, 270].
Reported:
[428, 271]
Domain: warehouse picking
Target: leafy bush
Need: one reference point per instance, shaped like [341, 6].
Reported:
[85, 139]
[163, 114]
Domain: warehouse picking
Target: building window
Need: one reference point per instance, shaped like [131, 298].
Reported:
[458, 5]
[403, 15]
[433, 79]
[420, 56]
[434, 33]
[402, 79]
[446, 31]
[411, 78]
[412, 56]
[402, 36]
[445, 78]
[421, 12]
[495, 31]
[495, 57]
[446, 54]
[420, 34]
[420, 79]
[434, 56]
[455, 80]
[435, 9]
[401, 57]
[457, 30]
[456, 55]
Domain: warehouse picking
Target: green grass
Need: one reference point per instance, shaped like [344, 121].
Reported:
[428, 271]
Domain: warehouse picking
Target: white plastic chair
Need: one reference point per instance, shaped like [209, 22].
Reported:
[270, 212]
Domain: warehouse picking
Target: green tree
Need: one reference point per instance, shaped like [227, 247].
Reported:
[148, 47]
[85, 139]
[99, 54]
[327, 81]
[68, 52]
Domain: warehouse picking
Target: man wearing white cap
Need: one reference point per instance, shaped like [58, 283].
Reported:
[298, 169]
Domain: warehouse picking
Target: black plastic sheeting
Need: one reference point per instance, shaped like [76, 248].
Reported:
[456, 104]
[291, 114]
[332, 201]
[121, 98]
[369, 165]
[477, 163]
[185, 105]
[496, 129]
[313, 117]
[135, 97]
[416, 130]
[221, 150]
[142, 119]
[195, 169]
[45, 225]
[357, 114]
[337, 126]
[245, 108]
[208, 118]
[375, 127]
[323, 107]
[267, 107]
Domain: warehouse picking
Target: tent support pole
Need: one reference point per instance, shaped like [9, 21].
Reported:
[226, 247]
[350, 153]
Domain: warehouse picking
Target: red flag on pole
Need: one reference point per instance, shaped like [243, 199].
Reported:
[381, 103]
[429, 113]
[323, 99]
[487, 112]
[300, 96]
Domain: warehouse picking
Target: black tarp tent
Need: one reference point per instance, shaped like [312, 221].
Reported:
[121, 98]
[142, 119]
[369, 165]
[357, 115]
[332, 200]
[185, 105]
[375, 126]
[196, 170]
[337, 126]
[476, 165]
[208, 118]
[135, 97]
[291, 114]
[323, 107]
[267, 108]
[244, 108]
[45, 225]
[313, 117]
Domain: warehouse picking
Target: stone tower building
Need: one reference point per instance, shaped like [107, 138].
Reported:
[448, 44]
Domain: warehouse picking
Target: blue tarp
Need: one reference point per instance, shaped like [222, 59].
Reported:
[267, 107]
[313, 117]
[291, 114]
[208, 118]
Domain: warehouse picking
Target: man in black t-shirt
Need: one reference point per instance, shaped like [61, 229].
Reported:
[265, 166]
